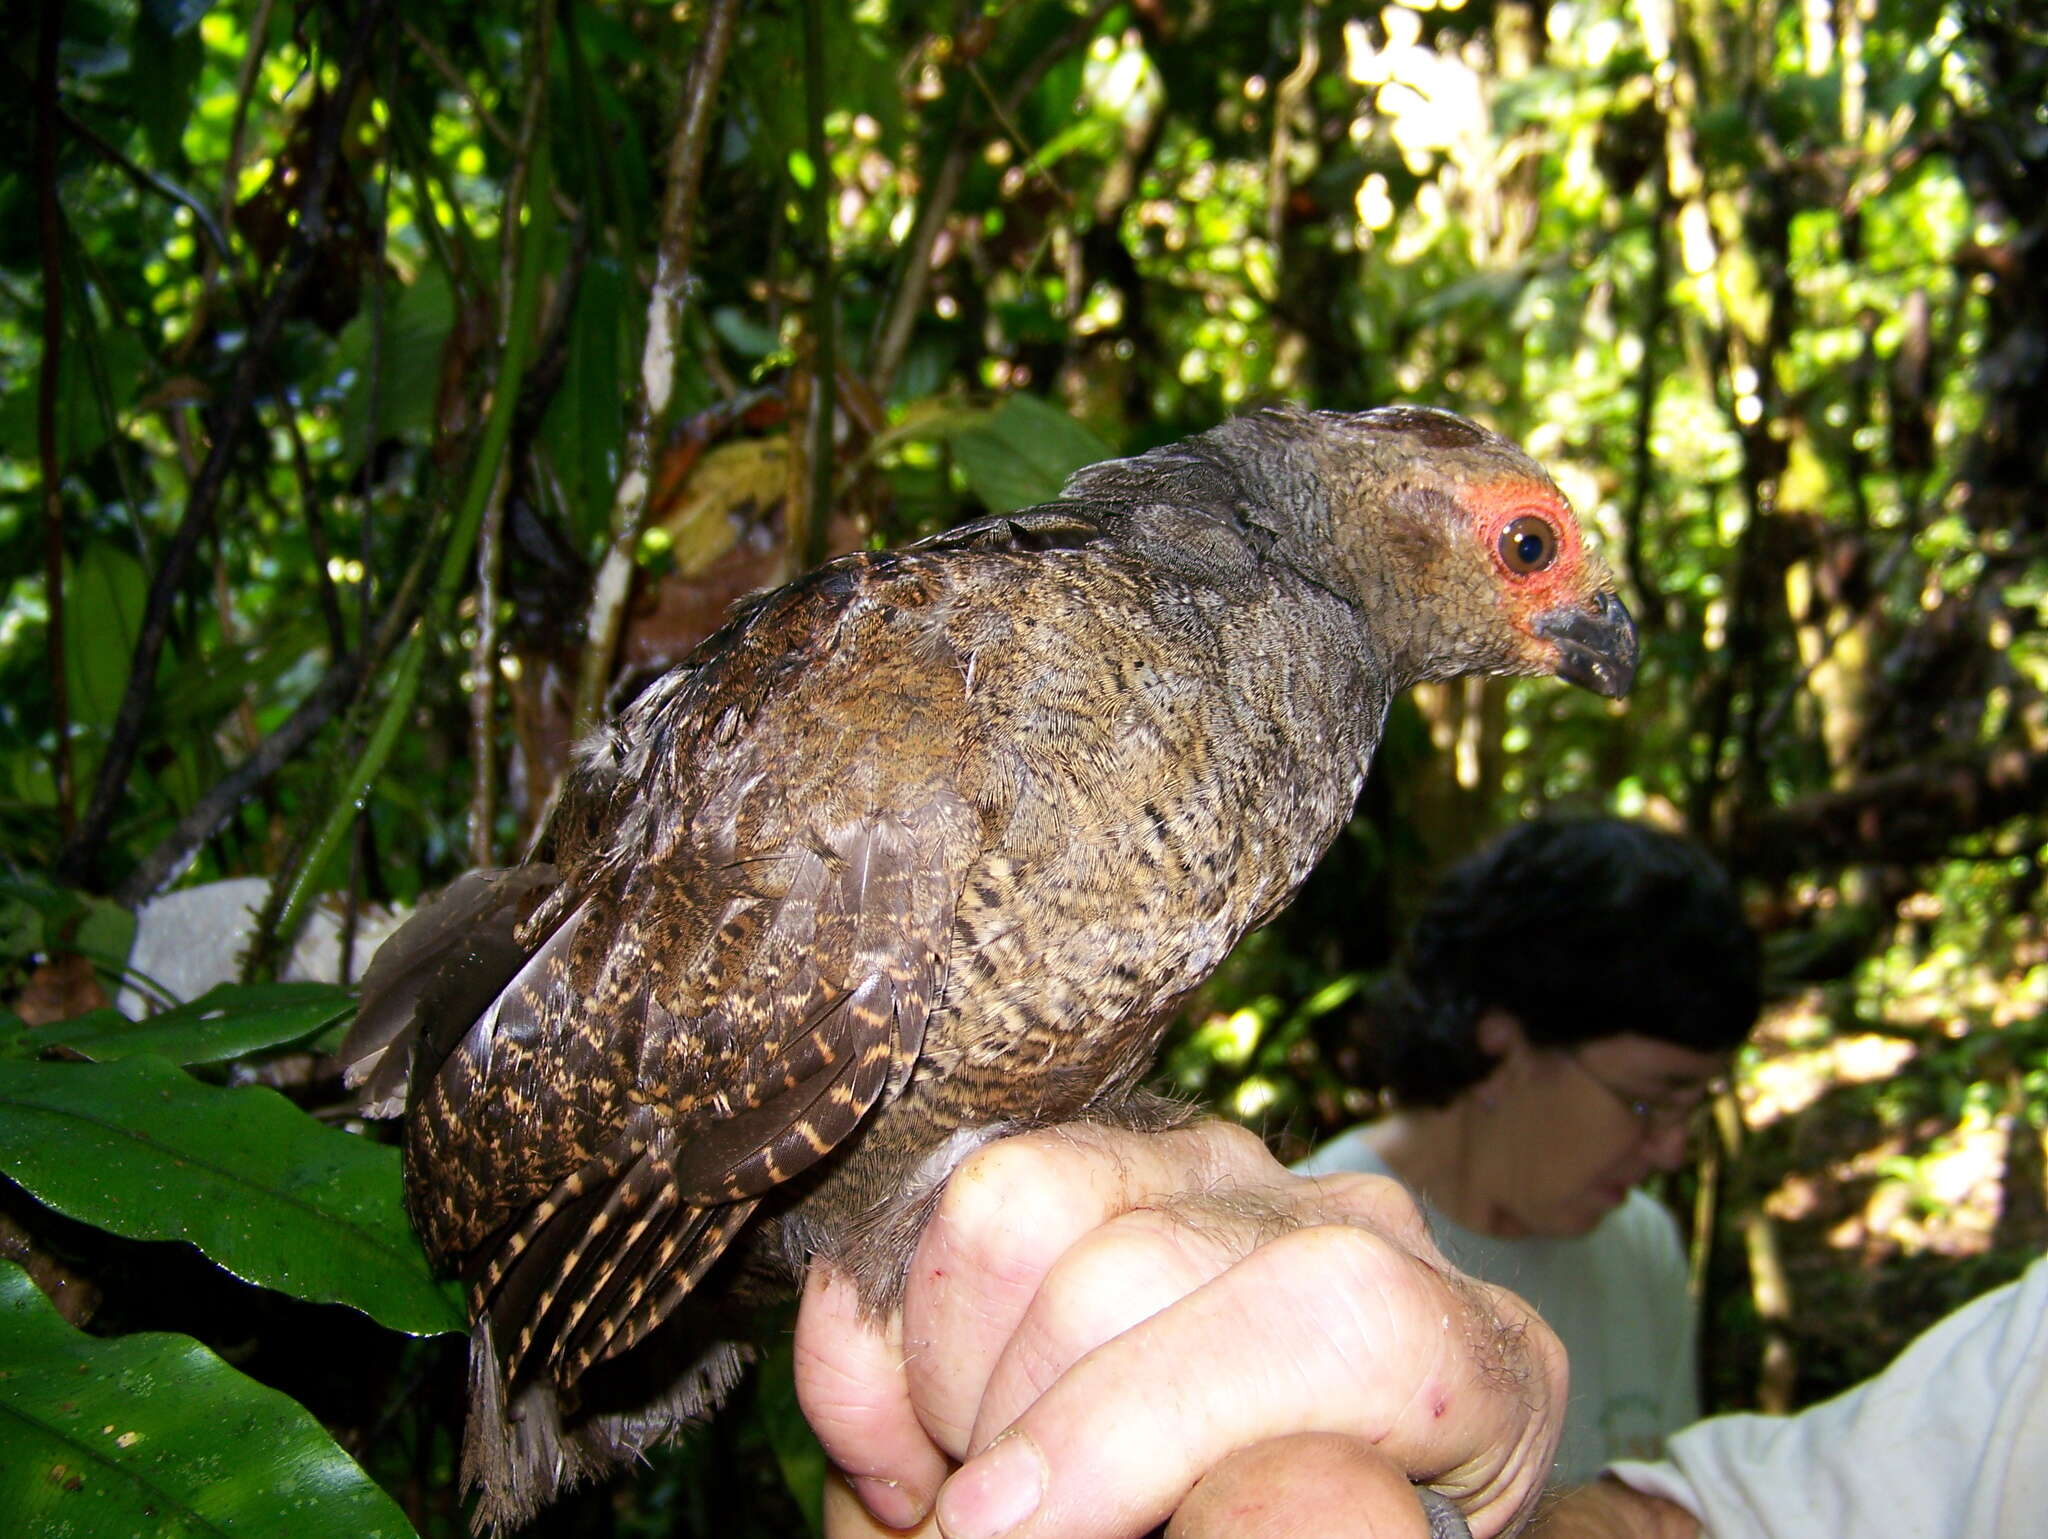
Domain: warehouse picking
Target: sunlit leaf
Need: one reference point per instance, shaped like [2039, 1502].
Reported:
[152, 1434]
[225, 1022]
[1024, 452]
[143, 1149]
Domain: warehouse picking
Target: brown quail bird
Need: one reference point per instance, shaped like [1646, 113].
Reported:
[922, 848]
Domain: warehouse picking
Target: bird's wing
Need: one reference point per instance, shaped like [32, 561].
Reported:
[706, 1019]
[441, 966]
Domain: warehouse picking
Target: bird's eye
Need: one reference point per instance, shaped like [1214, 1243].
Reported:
[1528, 545]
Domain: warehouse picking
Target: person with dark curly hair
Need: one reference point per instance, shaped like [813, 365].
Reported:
[1569, 998]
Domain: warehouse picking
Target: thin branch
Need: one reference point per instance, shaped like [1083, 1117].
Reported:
[82, 852]
[1006, 121]
[1903, 816]
[316, 532]
[149, 181]
[483, 658]
[445, 68]
[687, 150]
[452, 78]
[296, 883]
[51, 220]
[245, 91]
[211, 812]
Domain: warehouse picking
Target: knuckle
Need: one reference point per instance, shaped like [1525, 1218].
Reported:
[1234, 1150]
[1346, 1249]
[996, 1183]
[1382, 1204]
[1102, 1288]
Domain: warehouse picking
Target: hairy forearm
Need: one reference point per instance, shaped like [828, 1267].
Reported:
[1607, 1509]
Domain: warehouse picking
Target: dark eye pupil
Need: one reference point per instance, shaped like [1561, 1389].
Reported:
[1528, 545]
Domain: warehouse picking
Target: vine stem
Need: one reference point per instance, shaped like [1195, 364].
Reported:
[688, 148]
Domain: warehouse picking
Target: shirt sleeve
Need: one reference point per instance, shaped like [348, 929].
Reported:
[1952, 1439]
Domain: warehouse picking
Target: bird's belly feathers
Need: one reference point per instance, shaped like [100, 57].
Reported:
[1163, 778]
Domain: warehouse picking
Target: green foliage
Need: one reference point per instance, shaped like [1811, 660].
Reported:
[224, 1023]
[1023, 452]
[1765, 295]
[142, 1149]
[152, 1433]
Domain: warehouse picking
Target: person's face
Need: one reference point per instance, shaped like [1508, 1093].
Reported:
[1574, 1128]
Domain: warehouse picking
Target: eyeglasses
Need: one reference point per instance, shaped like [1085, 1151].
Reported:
[1655, 1114]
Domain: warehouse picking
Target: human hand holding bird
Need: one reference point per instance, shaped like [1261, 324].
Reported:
[920, 850]
[1111, 1330]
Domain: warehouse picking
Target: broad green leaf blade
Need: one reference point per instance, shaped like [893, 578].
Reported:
[152, 1434]
[104, 592]
[417, 324]
[222, 1023]
[1024, 453]
[145, 1150]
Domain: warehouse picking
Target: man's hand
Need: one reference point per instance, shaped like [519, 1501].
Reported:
[1105, 1330]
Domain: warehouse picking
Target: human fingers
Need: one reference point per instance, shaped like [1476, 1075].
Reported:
[851, 1383]
[1329, 1328]
[1311, 1485]
[1131, 1267]
[1006, 1217]
[1016, 1208]
[847, 1518]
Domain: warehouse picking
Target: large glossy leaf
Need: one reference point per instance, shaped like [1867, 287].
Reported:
[143, 1149]
[153, 1434]
[1024, 453]
[222, 1023]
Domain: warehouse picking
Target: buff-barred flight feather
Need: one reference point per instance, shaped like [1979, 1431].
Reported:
[923, 848]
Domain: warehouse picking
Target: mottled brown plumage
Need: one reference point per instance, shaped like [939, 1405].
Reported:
[921, 848]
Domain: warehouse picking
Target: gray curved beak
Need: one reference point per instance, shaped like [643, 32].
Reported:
[1596, 645]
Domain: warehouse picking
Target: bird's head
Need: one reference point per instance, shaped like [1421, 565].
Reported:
[1459, 547]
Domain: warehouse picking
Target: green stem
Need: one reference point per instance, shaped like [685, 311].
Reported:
[455, 556]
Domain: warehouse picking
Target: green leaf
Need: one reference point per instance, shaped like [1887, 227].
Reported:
[223, 1023]
[143, 1149]
[166, 60]
[82, 425]
[585, 425]
[418, 319]
[104, 592]
[1024, 452]
[207, 688]
[152, 1434]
